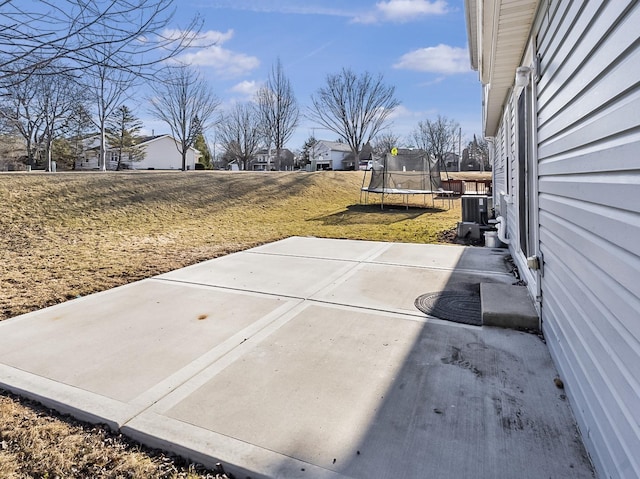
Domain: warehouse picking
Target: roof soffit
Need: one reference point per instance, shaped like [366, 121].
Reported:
[506, 25]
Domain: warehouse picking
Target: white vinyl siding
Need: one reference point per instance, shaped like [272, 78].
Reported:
[162, 154]
[588, 99]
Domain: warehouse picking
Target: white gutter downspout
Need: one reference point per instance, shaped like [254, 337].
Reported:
[502, 226]
[502, 222]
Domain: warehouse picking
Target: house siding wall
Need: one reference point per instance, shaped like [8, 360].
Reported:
[588, 112]
[330, 154]
[322, 154]
[506, 186]
[162, 154]
[336, 159]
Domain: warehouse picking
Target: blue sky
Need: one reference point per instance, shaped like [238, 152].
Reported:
[419, 46]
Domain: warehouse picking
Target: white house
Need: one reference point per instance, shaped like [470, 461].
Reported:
[333, 155]
[330, 155]
[561, 108]
[160, 153]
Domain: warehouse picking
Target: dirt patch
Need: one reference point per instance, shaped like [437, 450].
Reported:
[451, 236]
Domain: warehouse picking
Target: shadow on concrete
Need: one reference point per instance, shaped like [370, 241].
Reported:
[468, 402]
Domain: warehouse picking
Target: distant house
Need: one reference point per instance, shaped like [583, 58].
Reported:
[160, 153]
[329, 155]
[561, 110]
[450, 162]
[333, 155]
[262, 161]
[266, 160]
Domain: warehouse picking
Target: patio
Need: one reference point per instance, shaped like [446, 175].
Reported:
[306, 358]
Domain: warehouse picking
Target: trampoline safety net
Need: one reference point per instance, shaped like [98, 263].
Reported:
[415, 172]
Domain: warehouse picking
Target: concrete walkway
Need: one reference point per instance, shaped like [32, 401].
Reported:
[306, 358]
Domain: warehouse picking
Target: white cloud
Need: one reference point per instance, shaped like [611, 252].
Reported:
[213, 37]
[227, 63]
[402, 112]
[246, 88]
[442, 59]
[402, 11]
[204, 39]
[207, 51]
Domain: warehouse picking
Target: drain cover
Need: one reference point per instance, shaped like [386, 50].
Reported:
[458, 306]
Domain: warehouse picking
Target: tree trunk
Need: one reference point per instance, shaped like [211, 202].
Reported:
[102, 161]
[49, 156]
[30, 158]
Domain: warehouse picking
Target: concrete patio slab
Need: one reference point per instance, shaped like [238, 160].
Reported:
[487, 260]
[284, 365]
[292, 276]
[373, 285]
[327, 248]
[353, 354]
[132, 344]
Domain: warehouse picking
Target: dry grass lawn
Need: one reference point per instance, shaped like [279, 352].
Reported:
[72, 234]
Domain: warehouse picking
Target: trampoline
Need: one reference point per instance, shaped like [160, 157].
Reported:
[406, 175]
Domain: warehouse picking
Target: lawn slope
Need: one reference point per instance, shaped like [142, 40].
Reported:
[72, 234]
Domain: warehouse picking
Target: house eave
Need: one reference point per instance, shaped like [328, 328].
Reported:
[471, 16]
[498, 32]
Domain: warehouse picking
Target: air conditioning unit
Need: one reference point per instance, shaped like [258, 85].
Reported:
[475, 209]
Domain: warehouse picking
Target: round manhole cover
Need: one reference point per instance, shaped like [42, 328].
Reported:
[458, 306]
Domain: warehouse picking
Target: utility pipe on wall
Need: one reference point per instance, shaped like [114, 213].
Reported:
[501, 224]
[502, 229]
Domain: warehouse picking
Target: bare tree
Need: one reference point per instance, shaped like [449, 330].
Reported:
[113, 43]
[483, 154]
[354, 107]
[57, 99]
[385, 142]
[476, 156]
[34, 34]
[39, 109]
[239, 133]
[437, 137]
[110, 78]
[186, 103]
[19, 112]
[277, 108]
